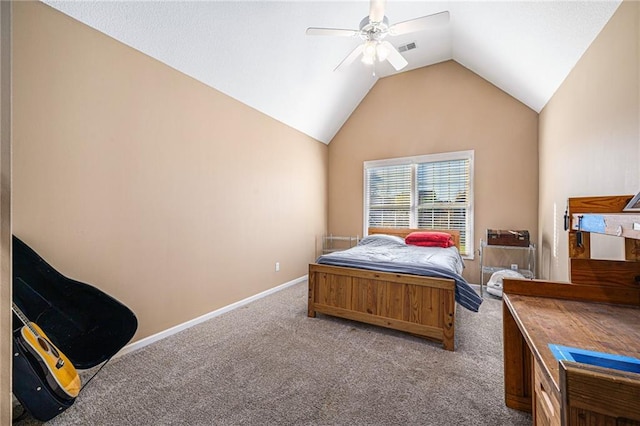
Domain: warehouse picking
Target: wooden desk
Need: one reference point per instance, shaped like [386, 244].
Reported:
[531, 322]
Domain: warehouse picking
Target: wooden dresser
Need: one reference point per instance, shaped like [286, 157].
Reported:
[599, 310]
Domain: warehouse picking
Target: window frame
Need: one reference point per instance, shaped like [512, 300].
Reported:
[413, 161]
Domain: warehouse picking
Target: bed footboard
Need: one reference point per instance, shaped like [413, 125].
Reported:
[423, 306]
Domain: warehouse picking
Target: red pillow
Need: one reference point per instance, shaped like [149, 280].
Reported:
[430, 239]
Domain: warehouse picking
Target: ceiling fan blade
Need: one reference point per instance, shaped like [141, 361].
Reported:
[376, 10]
[419, 24]
[350, 57]
[394, 57]
[332, 32]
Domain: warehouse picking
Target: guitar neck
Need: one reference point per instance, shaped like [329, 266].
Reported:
[23, 318]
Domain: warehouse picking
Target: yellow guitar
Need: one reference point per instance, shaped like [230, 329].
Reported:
[61, 375]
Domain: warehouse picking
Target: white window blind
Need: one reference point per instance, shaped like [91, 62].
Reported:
[390, 196]
[430, 192]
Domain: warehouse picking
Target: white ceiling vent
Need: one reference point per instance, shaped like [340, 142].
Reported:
[406, 47]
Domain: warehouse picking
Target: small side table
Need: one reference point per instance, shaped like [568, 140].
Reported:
[497, 258]
[331, 243]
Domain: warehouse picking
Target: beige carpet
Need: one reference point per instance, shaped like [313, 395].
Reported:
[267, 363]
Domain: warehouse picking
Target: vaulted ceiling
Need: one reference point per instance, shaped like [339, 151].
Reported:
[257, 51]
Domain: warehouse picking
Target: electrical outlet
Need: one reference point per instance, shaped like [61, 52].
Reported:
[277, 266]
[514, 266]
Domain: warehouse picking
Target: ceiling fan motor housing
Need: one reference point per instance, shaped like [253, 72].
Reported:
[374, 31]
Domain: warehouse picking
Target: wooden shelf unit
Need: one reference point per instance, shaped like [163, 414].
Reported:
[603, 215]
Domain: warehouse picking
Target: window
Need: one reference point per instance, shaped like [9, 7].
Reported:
[429, 191]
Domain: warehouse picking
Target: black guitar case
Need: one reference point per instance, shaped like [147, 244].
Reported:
[30, 386]
[84, 323]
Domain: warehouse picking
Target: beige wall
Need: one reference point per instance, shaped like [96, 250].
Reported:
[166, 194]
[590, 135]
[441, 108]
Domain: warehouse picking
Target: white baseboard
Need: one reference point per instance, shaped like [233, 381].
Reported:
[173, 330]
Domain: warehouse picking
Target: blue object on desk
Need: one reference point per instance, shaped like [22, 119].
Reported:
[592, 223]
[600, 359]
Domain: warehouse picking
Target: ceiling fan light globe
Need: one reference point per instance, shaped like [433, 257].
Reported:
[369, 49]
[368, 60]
[382, 52]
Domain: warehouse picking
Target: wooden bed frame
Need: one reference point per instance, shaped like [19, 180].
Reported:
[423, 306]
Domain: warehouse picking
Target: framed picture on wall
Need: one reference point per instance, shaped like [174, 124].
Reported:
[633, 205]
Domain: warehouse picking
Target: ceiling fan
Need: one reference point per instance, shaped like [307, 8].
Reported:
[373, 31]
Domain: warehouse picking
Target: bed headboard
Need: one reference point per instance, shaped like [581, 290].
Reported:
[403, 232]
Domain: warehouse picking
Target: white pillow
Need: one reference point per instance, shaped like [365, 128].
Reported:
[381, 239]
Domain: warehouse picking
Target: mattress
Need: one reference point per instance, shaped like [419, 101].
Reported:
[386, 253]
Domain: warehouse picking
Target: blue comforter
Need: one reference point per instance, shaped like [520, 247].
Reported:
[390, 254]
